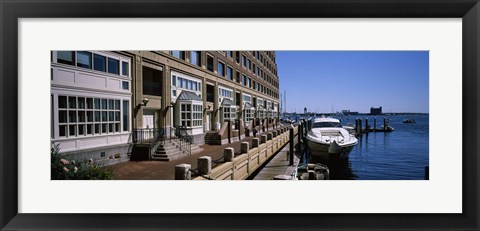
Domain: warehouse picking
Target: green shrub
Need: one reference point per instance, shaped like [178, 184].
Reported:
[62, 169]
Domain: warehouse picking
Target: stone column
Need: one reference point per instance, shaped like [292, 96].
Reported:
[244, 147]
[204, 165]
[228, 154]
[255, 142]
[263, 139]
[182, 172]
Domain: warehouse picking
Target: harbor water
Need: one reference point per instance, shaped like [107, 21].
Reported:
[398, 155]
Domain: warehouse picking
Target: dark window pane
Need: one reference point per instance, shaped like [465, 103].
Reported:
[125, 115]
[104, 128]
[104, 116]
[97, 103]
[125, 85]
[89, 103]
[110, 104]
[97, 128]
[63, 130]
[62, 116]
[113, 66]
[125, 68]
[72, 130]
[89, 116]
[81, 102]
[84, 59]
[209, 63]
[97, 116]
[72, 116]
[104, 103]
[62, 102]
[66, 57]
[81, 129]
[99, 62]
[81, 116]
[72, 102]
[152, 79]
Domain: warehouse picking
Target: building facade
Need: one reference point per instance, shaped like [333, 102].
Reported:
[91, 104]
[160, 91]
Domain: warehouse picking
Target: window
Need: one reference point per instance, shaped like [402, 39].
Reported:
[249, 82]
[82, 117]
[210, 63]
[244, 80]
[125, 115]
[247, 98]
[195, 58]
[197, 115]
[230, 54]
[99, 62]
[225, 93]
[244, 61]
[229, 113]
[248, 114]
[66, 57]
[229, 73]
[84, 59]
[221, 69]
[152, 79]
[125, 85]
[237, 56]
[188, 84]
[178, 54]
[191, 115]
[237, 77]
[124, 68]
[249, 64]
[113, 66]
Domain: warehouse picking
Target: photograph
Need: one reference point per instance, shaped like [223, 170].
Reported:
[239, 115]
[280, 115]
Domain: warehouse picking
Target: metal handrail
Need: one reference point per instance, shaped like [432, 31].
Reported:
[148, 135]
[182, 137]
[153, 137]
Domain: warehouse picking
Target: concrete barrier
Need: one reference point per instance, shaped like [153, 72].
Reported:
[204, 164]
[182, 172]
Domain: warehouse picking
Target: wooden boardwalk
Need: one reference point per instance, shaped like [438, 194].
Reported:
[279, 165]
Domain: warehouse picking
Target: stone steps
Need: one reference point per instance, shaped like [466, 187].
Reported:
[171, 151]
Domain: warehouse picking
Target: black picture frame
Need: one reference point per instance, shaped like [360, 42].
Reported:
[11, 11]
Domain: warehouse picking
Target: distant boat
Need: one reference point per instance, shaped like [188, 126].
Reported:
[409, 121]
[327, 136]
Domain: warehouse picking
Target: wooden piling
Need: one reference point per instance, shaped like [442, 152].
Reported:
[366, 125]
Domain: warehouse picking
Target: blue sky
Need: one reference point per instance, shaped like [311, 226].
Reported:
[326, 81]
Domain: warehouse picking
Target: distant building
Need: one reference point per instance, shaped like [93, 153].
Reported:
[348, 112]
[376, 111]
[305, 111]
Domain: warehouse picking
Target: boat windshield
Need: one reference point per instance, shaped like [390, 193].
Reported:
[327, 125]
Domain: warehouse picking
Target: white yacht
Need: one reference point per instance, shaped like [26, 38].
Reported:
[327, 136]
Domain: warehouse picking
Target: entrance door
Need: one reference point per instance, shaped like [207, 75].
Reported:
[207, 121]
[148, 124]
[148, 121]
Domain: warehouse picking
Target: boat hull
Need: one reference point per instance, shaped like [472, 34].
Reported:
[325, 149]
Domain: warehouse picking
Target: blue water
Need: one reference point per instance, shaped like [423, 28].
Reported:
[398, 155]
